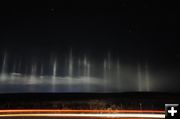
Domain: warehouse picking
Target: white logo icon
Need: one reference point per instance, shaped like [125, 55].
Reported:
[172, 111]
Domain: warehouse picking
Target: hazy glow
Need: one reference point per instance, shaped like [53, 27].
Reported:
[74, 74]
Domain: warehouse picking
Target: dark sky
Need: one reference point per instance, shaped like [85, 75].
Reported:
[145, 28]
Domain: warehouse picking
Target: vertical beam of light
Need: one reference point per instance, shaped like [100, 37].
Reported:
[3, 74]
[85, 66]
[33, 71]
[14, 67]
[139, 76]
[55, 68]
[41, 70]
[118, 80]
[26, 70]
[19, 66]
[88, 75]
[109, 70]
[109, 62]
[13, 70]
[54, 74]
[88, 69]
[70, 70]
[105, 74]
[85, 73]
[4, 65]
[147, 80]
[79, 68]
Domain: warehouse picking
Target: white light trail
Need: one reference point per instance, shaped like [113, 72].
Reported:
[87, 115]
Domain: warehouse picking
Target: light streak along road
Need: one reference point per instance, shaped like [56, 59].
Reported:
[84, 113]
[79, 111]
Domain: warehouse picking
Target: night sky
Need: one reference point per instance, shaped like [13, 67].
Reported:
[134, 31]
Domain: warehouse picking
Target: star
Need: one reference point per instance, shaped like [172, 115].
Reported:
[52, 9]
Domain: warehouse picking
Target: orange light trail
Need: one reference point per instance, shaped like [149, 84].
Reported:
[159, 116]
[83, 113]
[79, 111]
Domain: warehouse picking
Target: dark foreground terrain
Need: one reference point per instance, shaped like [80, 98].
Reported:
[150, 101]
[85, 105]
